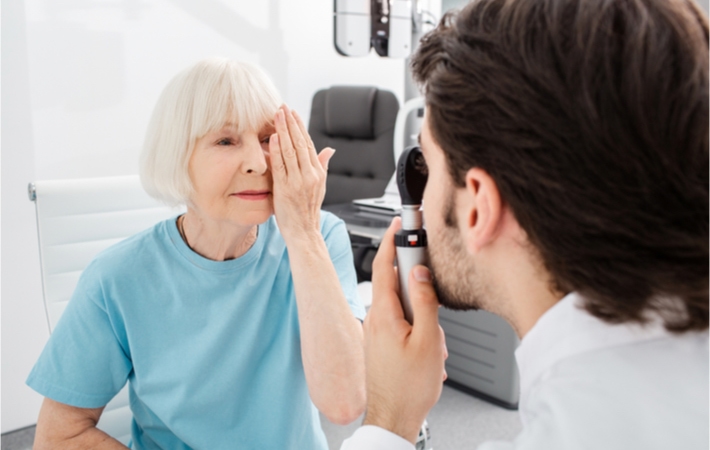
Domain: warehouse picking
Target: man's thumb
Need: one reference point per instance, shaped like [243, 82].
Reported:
[425, 305]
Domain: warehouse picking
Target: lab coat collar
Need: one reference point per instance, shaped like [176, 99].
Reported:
[566, 330]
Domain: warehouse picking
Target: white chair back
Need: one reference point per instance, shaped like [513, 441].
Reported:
[76, 219]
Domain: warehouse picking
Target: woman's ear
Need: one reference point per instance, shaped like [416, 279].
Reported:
[482, 210]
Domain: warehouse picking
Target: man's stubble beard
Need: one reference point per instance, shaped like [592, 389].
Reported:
[456, 283]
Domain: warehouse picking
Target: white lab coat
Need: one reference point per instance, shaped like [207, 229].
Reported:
[586, 384]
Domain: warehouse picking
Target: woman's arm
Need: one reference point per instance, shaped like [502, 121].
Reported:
[61, 426]
[331, 337]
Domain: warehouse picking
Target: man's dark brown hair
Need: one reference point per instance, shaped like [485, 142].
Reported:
[592, 118]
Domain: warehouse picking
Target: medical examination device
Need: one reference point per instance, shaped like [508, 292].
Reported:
[481, 345]
[406, 129]
[385, 25]
[410, 241]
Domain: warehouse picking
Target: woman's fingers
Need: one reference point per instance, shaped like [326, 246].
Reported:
[285, 147]
[311, 146]
[278, 167]
[299, 175]
[323, 158]
[298, 140]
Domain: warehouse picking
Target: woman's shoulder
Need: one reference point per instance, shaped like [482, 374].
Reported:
[133, 251]
[329, 221]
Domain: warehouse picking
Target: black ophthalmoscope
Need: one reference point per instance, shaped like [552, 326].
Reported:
[410, 242]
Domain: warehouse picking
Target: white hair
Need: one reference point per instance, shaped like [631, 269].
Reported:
[201, 99]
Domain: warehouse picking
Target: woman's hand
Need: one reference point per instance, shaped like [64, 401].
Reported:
[299, 175]
[331, 338]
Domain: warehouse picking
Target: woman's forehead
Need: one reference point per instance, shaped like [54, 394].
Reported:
[234, 126]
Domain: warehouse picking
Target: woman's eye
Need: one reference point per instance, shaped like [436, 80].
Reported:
[225, 141]
[266, 139]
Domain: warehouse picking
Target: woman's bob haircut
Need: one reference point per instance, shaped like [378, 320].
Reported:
[200, 99]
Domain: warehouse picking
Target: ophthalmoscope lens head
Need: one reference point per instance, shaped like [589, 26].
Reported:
[411, 176]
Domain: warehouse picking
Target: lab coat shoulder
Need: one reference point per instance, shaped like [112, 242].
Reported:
[650, 395]
[370, 437]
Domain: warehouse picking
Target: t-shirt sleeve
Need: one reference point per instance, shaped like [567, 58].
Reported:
[84, 364]
[341, 253]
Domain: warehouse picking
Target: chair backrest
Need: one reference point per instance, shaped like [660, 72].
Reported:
[76, 219]
[357, 121]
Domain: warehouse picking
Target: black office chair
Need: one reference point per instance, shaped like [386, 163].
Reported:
[357, 121]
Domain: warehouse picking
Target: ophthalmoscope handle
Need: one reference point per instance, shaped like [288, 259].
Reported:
[411, 250]
[410, 242]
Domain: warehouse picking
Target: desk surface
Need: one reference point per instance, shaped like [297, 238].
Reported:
[458, 422]
[365, 224]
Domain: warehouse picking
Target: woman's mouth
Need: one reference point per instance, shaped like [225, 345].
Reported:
[253, 195]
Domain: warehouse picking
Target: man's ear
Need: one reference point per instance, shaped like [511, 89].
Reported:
[483, 210]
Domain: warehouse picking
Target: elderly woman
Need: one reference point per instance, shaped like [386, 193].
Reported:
[233, 323]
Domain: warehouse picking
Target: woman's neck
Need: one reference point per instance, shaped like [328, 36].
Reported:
[218, 241]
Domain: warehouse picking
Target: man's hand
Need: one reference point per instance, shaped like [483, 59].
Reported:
[404, 363]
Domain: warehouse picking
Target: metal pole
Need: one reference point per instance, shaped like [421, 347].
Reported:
[411, 90]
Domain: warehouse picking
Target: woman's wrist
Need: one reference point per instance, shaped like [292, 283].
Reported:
[303, 240]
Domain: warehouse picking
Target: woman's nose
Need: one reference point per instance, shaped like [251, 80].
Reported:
[254, 158]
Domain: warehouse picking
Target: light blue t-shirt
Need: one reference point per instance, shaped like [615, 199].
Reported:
[211, 349]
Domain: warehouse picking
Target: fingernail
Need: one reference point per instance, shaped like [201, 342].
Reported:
[422, 274]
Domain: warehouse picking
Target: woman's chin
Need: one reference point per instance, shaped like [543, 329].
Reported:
[255, 217]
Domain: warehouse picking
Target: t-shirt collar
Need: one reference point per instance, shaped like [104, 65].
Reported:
[228, 266]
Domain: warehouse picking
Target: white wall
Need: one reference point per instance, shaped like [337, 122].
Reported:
[23, 328]
[79, 80]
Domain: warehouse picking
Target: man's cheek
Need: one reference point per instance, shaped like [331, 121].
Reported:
[429, 205]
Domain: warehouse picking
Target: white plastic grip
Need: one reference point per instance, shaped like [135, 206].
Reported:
[407, 258]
